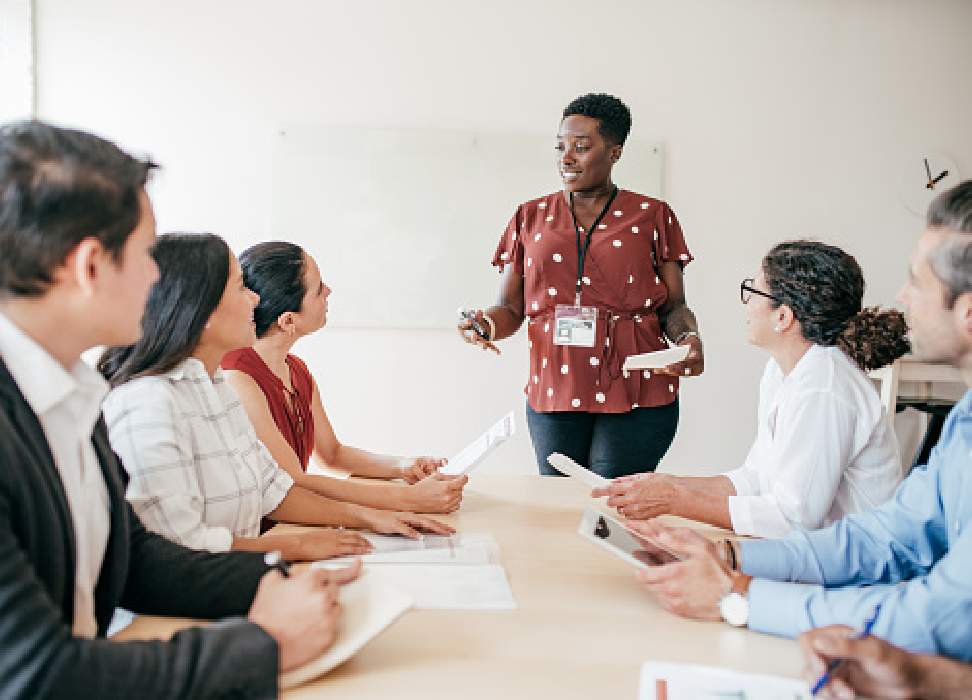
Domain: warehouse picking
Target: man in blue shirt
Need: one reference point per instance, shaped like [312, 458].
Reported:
[912, 555]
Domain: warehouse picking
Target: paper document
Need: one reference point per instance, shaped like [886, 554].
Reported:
[467, 459]
[431, 549]
[684, 682]
[370, 606]
[464, 575]
[565, 465]
[657, 359]
[451, 586]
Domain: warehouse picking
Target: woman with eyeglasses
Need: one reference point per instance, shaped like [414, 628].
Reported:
[824, 443]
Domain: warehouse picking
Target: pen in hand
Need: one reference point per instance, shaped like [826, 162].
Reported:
[834, 666]
[275, 560]
[477, 326]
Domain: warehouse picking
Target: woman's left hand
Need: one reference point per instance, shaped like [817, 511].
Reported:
[414, 470]
[693, 365]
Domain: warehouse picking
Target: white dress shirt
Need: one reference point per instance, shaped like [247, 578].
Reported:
[824, 448]
[67, 404]
[199, 475]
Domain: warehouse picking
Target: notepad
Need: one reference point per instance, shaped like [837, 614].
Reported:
[565, 465]
[686, 682]
[657, 359]
[470, 457]
[370, 606]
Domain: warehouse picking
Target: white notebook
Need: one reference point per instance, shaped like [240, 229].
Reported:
[370, 606]
[656, 359]
[467, 459]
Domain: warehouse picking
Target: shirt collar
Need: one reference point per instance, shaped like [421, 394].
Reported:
[192, 368]
[42, 380]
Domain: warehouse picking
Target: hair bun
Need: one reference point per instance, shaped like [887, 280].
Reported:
[875, 338]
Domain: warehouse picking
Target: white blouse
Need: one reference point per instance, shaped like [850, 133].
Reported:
[199, 475]
[824, 448]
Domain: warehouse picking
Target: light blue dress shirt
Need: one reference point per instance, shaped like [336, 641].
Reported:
[912, 554]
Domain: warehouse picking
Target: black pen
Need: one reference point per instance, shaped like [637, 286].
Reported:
[275, 560]
[477, 326]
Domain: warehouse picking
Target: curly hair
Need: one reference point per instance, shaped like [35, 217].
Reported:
[824, 287]
[613, 115]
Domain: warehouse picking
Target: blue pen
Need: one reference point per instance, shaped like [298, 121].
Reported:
[835, 665]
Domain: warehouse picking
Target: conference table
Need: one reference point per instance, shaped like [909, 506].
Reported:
[582, 628]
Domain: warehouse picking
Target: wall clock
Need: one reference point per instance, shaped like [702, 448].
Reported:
[925, 177]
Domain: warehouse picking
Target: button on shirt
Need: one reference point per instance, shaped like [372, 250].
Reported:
[67, 404]
[199, 475]
[912, 554]
[824, 448]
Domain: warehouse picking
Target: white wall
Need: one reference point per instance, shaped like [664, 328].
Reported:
[779, 119]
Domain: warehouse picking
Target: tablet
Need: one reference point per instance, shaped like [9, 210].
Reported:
[634, 548]
[657, 359]
[470, 457]
[565, 465]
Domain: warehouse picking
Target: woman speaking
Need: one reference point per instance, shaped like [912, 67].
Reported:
[596, 272]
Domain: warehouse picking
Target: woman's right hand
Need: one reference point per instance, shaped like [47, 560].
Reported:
[468, 334]
[326, 543]
[388, 522]
[438, 493]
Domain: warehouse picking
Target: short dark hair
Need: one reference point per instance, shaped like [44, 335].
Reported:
[193, 271]
[824, 287]
[613, 115]
[58, 187]
[275, 271]
[952, 262]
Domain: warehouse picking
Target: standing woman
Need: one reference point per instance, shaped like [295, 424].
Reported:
[595, 255]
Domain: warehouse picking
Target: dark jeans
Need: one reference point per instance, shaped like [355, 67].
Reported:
[611, 444]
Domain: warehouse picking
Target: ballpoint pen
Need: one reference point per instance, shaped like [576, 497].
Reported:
[835, 664]
[275, 560]
[477, 326]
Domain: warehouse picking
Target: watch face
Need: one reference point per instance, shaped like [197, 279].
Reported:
[734, 608]
[924, 177]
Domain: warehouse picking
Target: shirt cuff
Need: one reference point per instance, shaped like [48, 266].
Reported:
[779, 608]
[277, 490]
[216, 539]
[764, 559]
[740, 482]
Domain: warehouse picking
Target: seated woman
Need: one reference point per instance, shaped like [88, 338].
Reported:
[824, 443]
[199, 475]
[284, 404]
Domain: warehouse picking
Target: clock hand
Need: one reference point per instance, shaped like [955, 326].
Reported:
[935, 181]
[928, 170]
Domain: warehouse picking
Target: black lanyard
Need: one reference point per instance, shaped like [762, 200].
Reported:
[582, 251]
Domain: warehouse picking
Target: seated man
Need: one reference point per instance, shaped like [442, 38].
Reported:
[911, 555]
[875, 669]
[76, 233]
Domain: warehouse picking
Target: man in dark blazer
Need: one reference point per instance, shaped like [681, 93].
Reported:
[76, 231]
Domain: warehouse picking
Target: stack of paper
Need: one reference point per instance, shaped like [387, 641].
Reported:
[461, 572]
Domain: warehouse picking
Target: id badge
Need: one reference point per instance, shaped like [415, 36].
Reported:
[575, 325]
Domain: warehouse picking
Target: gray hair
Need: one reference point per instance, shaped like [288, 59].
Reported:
[952, 262]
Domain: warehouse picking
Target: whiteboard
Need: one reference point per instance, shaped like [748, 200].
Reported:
[404, 223]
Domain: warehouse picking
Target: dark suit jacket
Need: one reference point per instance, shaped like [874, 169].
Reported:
[39, 657]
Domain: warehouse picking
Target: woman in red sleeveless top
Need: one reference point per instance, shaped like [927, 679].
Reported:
[283, 403]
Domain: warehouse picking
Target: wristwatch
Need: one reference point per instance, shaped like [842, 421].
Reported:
[734, 605]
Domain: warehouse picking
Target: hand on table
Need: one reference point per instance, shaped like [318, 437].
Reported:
[387, 522]
[326, 543]
[694, 586]
[301, 613]
[414, 470]
[872, 667]
[469, 335]
[642, 496]
[439, 493]
[693, 365]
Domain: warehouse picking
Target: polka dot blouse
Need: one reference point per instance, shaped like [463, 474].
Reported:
[620, 279]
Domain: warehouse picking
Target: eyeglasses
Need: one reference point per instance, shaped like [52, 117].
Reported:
[746, 291]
